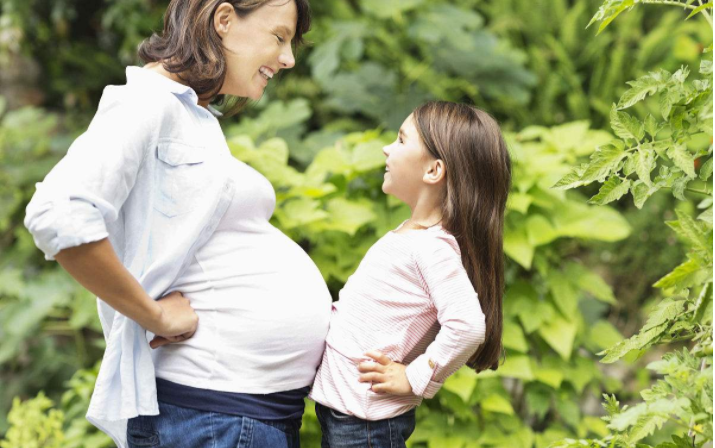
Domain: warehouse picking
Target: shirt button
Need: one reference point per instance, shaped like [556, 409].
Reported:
[431, 364]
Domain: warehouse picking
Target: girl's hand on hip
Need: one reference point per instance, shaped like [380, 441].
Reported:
[387, 376]
[178, 320]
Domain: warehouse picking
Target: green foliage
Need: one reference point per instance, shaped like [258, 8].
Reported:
[34, 425]
[685, 394]
[317, 136]
[576, 81]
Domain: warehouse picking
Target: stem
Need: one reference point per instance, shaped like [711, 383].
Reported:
[705, 192]
[692, 190]
[691, 427]
[669, 3]
[705, 13]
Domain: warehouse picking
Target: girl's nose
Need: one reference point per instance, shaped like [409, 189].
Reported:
[385, 151]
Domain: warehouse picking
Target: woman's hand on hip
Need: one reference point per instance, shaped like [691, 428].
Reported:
[178, 321]
[385, 375]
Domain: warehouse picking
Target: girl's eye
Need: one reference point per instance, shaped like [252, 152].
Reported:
[399, 139]
[280, 39]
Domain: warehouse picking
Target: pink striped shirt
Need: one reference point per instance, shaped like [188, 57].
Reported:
[411, 299]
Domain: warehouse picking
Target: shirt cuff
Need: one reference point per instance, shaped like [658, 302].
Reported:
[64, 223]
[419, 373]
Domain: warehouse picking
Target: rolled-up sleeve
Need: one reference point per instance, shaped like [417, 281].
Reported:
[87, 188]
[459, 314]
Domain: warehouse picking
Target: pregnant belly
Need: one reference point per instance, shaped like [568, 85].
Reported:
[264, 307]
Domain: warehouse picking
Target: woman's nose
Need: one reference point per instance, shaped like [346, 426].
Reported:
[385, 151]
[286, 58]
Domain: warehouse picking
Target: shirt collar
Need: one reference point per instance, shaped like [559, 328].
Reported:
[146, 78]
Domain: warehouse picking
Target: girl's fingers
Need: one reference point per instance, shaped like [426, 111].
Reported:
[381, 388]
[379, 357]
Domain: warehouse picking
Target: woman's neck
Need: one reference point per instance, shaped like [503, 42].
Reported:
[159, 68]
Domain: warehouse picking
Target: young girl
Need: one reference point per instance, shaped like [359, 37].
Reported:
[410, 316]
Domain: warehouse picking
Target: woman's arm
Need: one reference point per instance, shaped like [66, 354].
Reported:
[96, 267]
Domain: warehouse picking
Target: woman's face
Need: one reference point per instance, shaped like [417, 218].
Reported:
[256, 46]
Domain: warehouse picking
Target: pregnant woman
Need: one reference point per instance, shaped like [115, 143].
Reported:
[149, 204]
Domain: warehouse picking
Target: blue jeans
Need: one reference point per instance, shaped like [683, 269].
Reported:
[346, 431]
[177, 427]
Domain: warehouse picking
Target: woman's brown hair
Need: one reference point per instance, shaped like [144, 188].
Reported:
[478, 170]
[191, 48]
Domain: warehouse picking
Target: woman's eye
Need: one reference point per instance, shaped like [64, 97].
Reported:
[280, 39]
[399, 139]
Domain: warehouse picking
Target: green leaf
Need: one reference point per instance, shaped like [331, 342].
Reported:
[680, 182]
[642, 87]
[513, 337]
[538, 400]
[516, 366]
[299, 211]
[691, 230]
[626, 126]
[519, 202]
[664, 312]
[563, 293]
[682, 159]
[462, 383]
[641, 192]
[651, 126]
[608, 12]
[603, 162]
[550, 377]
[347, 216]
[702, 304]
[559, 334]
[700, 8]
[684, 275]
[571, 180]
[706, 170]
[518, 248]
[612, 190]
[539, 230]
[590, 282]
[706, 65]
[645, 163]
[498, 404]
[385, 9]
[603, 335]
[637, 342]
[707, 216]
[575, 219]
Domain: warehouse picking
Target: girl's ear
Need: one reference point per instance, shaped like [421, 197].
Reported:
[436, 171]
[222, 18]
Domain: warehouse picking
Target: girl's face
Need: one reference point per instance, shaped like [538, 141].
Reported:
[256, 46]
[406, 164]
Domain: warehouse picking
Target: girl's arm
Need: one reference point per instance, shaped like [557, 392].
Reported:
[462, 327]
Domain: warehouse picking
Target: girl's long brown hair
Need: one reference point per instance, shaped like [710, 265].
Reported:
[478, 169]
[190, 47]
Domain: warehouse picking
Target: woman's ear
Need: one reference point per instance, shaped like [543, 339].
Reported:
[222, 18]
[436, 171]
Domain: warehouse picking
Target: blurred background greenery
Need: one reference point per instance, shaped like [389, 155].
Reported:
[579, 276]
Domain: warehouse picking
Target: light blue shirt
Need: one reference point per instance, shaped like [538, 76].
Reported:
[147, 174]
